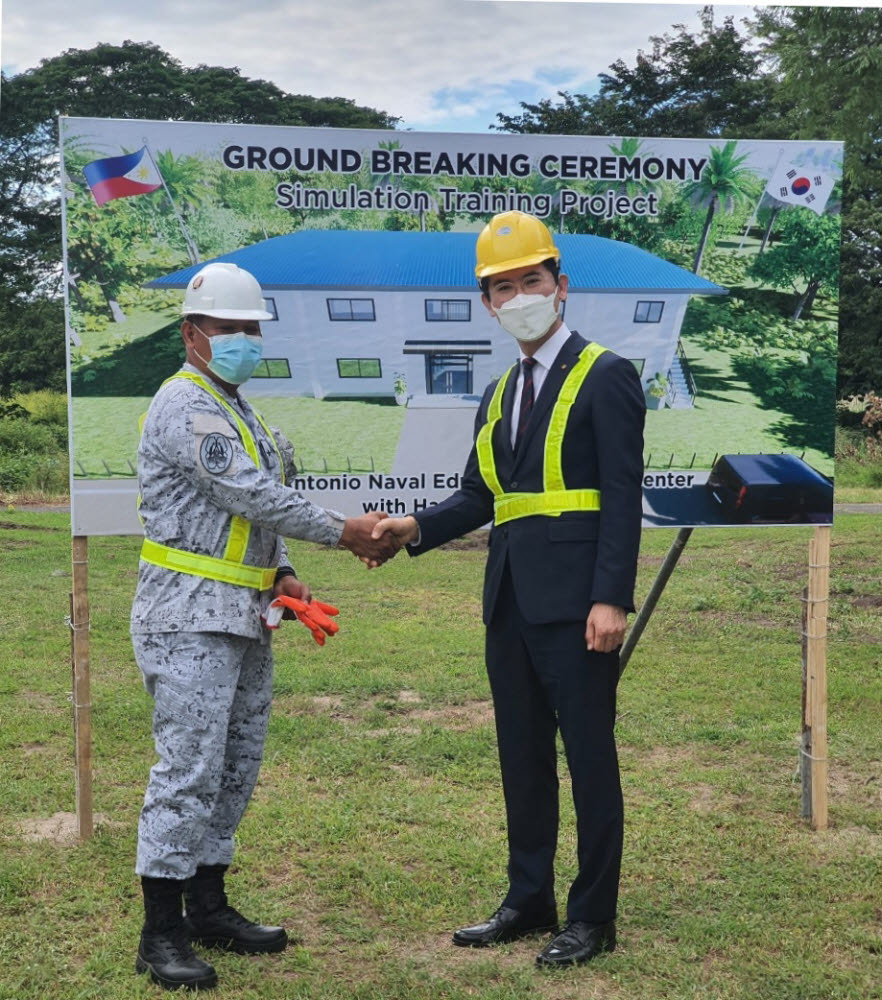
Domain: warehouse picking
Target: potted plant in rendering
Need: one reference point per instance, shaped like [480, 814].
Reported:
[399, 387]
[657, 389]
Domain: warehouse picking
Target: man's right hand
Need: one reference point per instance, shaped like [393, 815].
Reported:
[404, 529]
[373, 550]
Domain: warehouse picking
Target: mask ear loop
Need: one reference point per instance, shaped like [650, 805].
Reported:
[204, 334]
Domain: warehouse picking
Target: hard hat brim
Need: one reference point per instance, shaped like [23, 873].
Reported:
[252, 314]
[485, 270]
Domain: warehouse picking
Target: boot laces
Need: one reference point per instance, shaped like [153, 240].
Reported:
[180, 943]
[231, 914]
[177, 943]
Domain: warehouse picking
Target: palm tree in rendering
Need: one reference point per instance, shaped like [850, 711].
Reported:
[723, 182]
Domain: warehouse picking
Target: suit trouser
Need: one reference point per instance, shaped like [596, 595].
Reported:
[542, 677]
[212, 695]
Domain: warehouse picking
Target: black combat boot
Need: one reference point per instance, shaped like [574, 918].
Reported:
[164, 950]
[212, 922]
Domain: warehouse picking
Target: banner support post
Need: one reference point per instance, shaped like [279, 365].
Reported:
[813, 743]
[655, 592]
[82, 704]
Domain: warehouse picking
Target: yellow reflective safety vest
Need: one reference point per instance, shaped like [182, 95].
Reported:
[231, 567]
[555, 498]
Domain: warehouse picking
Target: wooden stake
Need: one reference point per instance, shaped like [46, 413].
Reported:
[805, 739]
[82, 704]
[816, 670]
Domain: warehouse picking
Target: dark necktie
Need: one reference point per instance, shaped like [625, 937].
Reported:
[526, 399]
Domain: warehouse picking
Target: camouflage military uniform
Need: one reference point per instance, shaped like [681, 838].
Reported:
[200, 644]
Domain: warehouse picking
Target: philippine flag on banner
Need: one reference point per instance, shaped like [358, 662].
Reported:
[804, 186]
[122, 176]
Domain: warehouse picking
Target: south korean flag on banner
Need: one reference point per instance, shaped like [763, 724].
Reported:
[805, 185]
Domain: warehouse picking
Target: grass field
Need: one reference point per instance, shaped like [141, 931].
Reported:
[856, 494]
[347, 436]
[140, 323]
[377, 824]
[361, 436]
[727, 418]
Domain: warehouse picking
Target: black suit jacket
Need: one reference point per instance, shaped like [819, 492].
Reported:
[559, 565]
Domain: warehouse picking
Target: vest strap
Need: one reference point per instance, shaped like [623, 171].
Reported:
[551, 503]
[224, 570]
[552, 464]
[484, 441]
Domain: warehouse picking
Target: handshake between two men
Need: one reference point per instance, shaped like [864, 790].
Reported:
[375, 537]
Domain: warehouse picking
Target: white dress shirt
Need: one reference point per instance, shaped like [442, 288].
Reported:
[544, 358]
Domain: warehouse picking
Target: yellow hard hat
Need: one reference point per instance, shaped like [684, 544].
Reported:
[512, 239]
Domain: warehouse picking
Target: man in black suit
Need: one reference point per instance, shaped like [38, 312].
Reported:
[557, 466]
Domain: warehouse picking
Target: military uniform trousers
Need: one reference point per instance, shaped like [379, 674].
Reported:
[212, 695]
[542, 677]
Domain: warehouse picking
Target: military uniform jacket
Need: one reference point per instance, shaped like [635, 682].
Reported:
[560, 565]
[194, 475]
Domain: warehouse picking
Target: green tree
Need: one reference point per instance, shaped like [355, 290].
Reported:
[723, 182]
[113, 248]
[794, 72]
[860, 297]
[251, 195]
[132, 80]
[692, 85]
[828, 64]
[31, 351]
[806, 254]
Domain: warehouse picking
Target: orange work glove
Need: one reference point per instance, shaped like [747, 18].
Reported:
[314, 616]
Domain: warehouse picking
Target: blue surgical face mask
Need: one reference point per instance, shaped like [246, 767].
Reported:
[234, 356]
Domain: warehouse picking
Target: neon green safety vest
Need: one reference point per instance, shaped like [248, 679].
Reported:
[555, 498]
[231, 568]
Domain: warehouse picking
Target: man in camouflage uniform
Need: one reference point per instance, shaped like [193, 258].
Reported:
[215, 506]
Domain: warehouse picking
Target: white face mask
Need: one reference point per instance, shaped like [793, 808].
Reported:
[527, 317]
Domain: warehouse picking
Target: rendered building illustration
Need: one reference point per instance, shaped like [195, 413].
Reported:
[361, 313]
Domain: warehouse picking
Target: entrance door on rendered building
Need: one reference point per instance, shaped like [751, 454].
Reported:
[448, 374]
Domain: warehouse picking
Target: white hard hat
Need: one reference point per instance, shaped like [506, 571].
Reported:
[224, 291]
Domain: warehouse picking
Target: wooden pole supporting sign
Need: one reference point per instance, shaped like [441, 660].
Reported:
[82, 702]
[655, 592]
[813, 744]
[813, 741]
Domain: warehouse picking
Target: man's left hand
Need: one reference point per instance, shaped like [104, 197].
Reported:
[290, 586]
[605, 628]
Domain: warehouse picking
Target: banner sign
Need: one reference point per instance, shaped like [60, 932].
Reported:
[710, 264]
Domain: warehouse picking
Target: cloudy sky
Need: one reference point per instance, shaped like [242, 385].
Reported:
[446, 65]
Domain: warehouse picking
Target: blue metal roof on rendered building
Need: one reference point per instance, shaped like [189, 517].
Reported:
[362, 259]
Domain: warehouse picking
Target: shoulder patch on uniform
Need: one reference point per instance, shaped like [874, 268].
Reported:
[216, 453]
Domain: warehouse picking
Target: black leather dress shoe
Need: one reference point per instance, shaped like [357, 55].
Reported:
[506, 924]
[578, 942]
